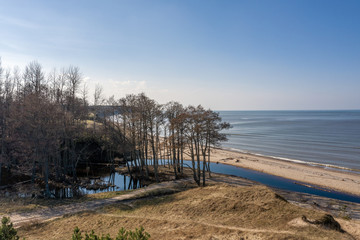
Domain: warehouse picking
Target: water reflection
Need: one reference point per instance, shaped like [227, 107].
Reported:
[105, 183]
[118, 182]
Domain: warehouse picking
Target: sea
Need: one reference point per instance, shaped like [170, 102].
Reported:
[329, 139]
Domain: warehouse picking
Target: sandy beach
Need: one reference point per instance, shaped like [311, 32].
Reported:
[341, 181]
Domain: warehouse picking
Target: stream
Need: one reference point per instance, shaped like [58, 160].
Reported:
[121, 182]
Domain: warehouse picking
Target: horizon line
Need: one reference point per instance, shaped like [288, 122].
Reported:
[273, 110]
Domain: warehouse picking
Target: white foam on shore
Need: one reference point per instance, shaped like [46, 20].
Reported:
[323, 165]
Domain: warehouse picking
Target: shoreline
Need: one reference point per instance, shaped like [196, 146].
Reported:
[302, 162]
[332, 179]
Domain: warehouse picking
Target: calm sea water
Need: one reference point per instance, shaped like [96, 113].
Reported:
[326, 138]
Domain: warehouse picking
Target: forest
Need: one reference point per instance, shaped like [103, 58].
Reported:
[51, 126]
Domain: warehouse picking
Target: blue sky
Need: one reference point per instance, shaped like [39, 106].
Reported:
[226, 55]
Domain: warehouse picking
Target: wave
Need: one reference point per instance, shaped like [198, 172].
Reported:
[323, 165]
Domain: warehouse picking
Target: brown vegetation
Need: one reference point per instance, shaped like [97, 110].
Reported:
[213, 212]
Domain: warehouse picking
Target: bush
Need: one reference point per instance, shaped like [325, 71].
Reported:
[7, 231]
[123, 234]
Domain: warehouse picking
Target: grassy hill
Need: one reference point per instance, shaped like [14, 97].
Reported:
[220, 211]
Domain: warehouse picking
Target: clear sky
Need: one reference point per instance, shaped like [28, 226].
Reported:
[226, 55]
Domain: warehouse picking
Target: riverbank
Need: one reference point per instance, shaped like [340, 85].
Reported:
[348, 182]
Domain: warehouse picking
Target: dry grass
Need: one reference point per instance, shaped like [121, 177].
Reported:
[105, 195]
[90, 124]
[17, 204]
[214, 212]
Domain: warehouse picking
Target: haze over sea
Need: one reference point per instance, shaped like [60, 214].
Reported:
[325, 138]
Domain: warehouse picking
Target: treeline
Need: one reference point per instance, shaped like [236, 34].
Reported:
[168, 133]
[47, 125]
[42, 118]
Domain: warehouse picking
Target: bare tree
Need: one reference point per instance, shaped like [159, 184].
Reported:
[2, 124]
[85, 93]
[98, 100]
[73, 81]
[44, 132]
[98, 95]
[33, 78]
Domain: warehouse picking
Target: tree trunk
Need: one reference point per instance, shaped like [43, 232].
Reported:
[0, 171]
[2, 157]
[154, 155]
[208, 163]
[203, 171]
[46, 177]
[197, 151]
[127, 164]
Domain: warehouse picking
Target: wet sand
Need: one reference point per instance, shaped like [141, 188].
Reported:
[332, 179]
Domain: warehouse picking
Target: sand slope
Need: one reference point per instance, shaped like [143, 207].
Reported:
[215, 212]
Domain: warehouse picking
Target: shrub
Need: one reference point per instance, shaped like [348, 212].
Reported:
[123, 234]
[7, 231]
[77, 234]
